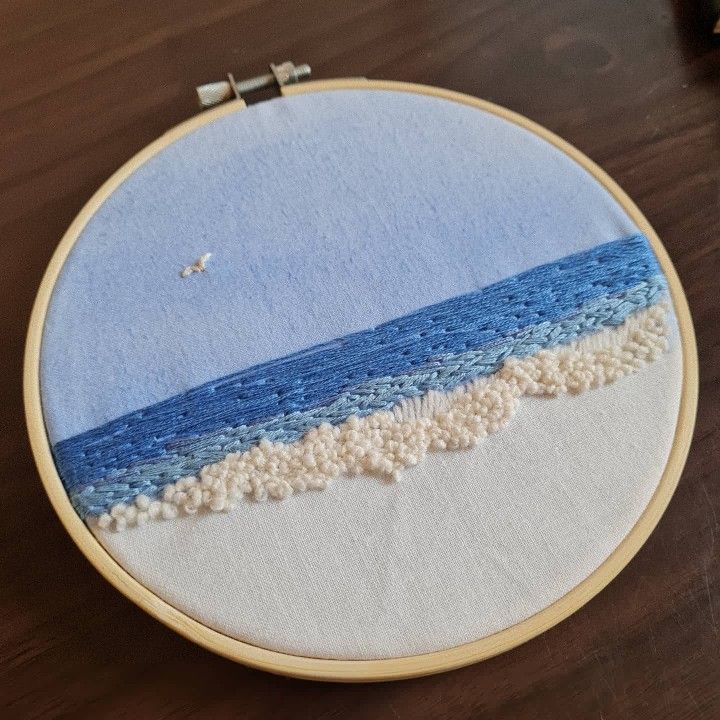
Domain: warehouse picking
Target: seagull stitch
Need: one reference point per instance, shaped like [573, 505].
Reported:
[199, 265]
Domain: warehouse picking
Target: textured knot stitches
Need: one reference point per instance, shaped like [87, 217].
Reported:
[385, 442]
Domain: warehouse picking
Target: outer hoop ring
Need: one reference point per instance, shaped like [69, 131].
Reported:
[357, 670]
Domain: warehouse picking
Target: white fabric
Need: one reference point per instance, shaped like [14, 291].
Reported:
[467, 544]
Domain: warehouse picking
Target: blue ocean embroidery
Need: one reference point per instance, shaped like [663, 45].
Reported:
[439, 349]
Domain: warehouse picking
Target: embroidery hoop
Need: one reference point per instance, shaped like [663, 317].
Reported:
[357, 670]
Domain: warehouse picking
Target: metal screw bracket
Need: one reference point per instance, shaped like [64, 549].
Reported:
[285, 73]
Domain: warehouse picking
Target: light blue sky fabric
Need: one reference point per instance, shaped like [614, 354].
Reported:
[325, 214]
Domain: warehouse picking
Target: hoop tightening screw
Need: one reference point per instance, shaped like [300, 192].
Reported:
[286, 73]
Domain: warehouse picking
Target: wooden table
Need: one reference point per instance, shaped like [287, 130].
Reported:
[84, 85]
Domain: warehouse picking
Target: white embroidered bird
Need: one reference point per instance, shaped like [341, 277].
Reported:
[199, 265]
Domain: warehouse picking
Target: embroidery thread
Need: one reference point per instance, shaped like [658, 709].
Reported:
[428, 353]
[384, 443]
[197, 266]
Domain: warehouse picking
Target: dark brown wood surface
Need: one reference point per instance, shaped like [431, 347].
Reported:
[85, 84]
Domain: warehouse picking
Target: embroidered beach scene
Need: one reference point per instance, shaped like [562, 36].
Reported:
[374, 402]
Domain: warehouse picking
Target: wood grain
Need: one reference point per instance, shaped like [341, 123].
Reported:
[85, 85]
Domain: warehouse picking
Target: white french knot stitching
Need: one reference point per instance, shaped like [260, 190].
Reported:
[386, 442]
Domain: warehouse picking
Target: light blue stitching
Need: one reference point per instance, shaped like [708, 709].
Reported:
[312, 378]
[441, 374]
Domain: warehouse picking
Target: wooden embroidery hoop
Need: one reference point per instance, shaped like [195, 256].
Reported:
[357, 670]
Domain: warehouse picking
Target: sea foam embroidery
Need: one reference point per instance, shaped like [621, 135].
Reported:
[378, 400]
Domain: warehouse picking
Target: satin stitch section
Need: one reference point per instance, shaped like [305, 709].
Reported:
[433, 352]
